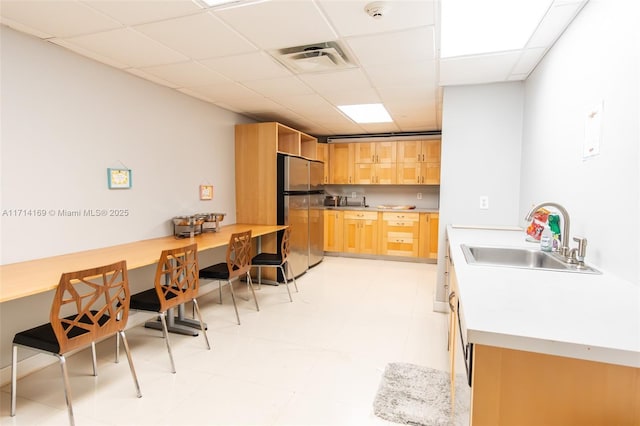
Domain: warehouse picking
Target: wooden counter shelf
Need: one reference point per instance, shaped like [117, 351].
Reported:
[23, 279]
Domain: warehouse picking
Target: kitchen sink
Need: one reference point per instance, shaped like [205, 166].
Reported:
[521, 258]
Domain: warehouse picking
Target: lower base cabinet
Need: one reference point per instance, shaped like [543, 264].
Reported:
[360, 232]
[399, 234]
[512, 387]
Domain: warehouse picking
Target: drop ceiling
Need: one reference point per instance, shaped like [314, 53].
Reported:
[229, 56]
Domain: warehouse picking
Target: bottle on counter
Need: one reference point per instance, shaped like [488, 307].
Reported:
[546, 239]
[554, 225]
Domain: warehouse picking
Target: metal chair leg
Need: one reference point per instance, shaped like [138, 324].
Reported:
[117, 348]
[219, 292]
[14, 366]
[295, 284]
[93, 358]
[233, 297]
[204, 333]
[255, 299]
[67, 388]
[163, 320]
[120, 334]
[286, 282]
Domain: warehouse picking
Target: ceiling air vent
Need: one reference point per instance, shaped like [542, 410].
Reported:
[319, 57]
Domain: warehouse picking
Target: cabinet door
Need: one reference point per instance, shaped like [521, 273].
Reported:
[333, 229]
[341, 163]
[425, 234]
[409, 151]
[434, 222]
[386, 152]
[408, 173]
[385, 173]
[368, 237]
[323, 155]
[350, 236]
[431, 173]
[364, 173]
[365, 152]
[431, 151]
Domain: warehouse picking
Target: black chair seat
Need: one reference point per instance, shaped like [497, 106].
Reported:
[42, 337]
[267, 259]
[219, 271]
[147, 300]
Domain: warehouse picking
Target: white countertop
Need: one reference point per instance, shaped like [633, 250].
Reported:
[377, 209]
[585, 316]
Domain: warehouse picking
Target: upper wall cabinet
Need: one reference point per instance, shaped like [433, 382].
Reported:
[341, 163]
[375, 152]
[419, 162]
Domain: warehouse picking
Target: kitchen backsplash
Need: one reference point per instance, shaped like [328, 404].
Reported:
[386, 194]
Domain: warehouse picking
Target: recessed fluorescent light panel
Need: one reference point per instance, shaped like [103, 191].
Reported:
[367, 113]
[472, 27]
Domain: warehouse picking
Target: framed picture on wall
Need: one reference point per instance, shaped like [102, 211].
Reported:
[206, 192]
[119, 178]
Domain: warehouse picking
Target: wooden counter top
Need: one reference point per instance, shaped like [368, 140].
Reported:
[31, 277]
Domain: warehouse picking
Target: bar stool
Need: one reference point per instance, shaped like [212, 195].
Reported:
[238, 263]
[88, 306]
[176, 282]
[277, 260]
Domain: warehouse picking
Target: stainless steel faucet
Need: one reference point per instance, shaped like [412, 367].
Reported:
[564, 238]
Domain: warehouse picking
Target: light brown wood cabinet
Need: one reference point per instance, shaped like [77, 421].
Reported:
[375, 163]
[429, 235]
[333, 230]
[341, 163]
[256, 148]
[323, 155]
[375, 152]
[419, 162]
[379, 174]
[400, 234]
[360, 232]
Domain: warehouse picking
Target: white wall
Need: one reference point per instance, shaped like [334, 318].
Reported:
[66, 119]
[596, 60]
[481, 139]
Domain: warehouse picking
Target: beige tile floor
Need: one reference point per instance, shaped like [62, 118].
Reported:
[316, 361]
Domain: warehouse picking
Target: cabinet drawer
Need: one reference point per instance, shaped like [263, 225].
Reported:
[398, 216]
[353, 214]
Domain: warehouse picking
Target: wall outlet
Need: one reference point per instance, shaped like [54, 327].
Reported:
[353, 194]
[419, 196]
[484, 202]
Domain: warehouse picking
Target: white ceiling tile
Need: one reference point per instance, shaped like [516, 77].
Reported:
[139, 12]
[412, 45]
[279, 24]
[57, 18]
[233, 94]
[129, 47]
[331, 82]
[352, 97]
[251, 66]
[198, 36]
[528, 60]
[88, 53]
[279, 87]
[553, 24]
[416, 74]
[349, 17]
[477, 69]
[150, 77]
[186, 74]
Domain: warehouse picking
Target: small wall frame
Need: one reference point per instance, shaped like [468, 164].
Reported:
[206, 192]
[119, 178]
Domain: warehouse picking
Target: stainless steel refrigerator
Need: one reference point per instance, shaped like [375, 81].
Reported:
[300, 200]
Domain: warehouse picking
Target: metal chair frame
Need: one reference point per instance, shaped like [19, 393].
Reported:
[88, 306]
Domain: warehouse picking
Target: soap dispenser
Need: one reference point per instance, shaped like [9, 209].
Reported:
[546, 239]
